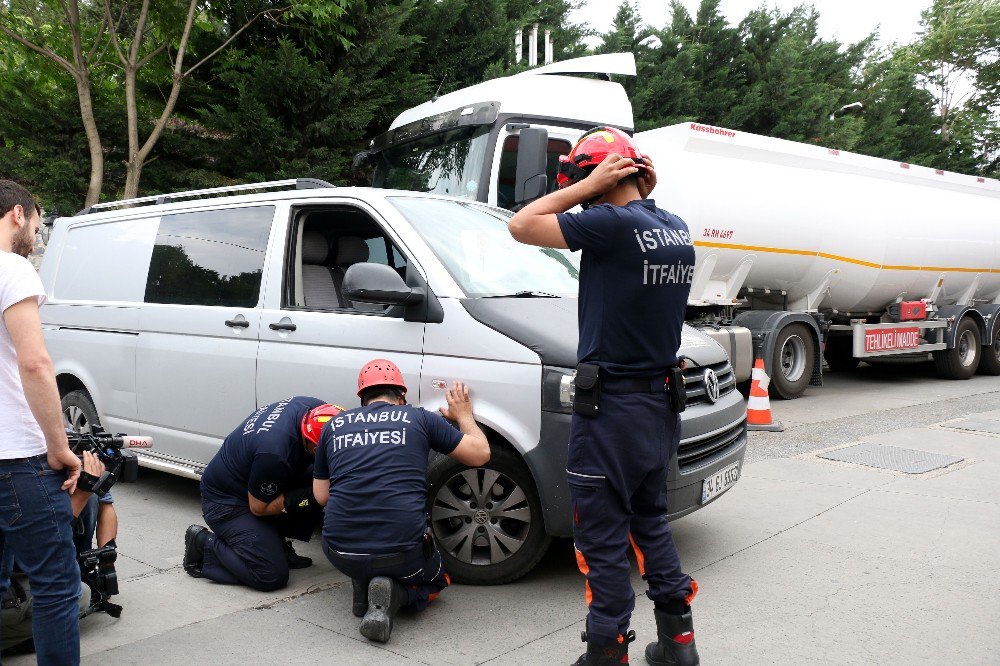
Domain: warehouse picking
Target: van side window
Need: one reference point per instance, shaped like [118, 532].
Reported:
[508, 167]
[325, 243]
[210, 257]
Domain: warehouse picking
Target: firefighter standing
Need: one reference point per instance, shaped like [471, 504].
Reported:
[635, 277]
[255, 494]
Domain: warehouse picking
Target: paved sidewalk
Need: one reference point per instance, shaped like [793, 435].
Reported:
[805, 561]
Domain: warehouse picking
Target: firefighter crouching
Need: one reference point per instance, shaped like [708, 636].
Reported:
[256, 493]
[635, 276]
[370, 473]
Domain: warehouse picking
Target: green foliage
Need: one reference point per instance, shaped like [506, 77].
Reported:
[299, 92]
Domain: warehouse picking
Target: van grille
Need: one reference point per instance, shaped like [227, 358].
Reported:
[700, 450]
[694, 382]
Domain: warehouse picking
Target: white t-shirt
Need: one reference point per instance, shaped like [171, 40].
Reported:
[20, 436]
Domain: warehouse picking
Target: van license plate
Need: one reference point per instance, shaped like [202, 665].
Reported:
[720, 482]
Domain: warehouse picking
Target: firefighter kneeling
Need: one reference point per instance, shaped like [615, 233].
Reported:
[257, 493]
[371, 470]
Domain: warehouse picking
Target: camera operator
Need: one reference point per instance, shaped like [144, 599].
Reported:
[16, 615]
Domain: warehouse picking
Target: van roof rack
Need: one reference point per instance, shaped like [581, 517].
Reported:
[289, 184]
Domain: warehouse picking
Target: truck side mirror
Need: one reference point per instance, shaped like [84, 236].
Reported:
[380, 284]
[530, 181]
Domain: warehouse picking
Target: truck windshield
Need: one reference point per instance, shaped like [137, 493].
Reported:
[473, 243]
[448, 163]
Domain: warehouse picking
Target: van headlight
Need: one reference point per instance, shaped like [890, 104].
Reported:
[558, 389]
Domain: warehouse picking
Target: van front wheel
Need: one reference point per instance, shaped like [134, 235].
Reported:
[79, 413]
[487, 521]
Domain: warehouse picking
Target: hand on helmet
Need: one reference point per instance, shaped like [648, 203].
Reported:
[612, 169]
[647, 178]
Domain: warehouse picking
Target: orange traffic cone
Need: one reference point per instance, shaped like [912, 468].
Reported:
[758, 405]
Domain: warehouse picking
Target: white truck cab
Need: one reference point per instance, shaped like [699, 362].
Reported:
[803, 252]
[176, 316]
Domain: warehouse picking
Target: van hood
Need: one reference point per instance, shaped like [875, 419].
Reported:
[548, 326]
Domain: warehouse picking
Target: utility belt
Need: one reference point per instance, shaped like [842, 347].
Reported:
[591, 381]
[424, 548]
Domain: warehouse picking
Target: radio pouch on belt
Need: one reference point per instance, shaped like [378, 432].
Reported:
[676, 392]
[587, 397]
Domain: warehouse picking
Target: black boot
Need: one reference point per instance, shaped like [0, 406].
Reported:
[603, 653]
[675, 646]
[385, 598]
[296, 561]
[359, 602]
[194, 549]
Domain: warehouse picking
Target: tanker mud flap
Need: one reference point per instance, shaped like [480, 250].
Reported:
[765, 324]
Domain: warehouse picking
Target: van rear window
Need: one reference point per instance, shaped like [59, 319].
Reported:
[210, 257]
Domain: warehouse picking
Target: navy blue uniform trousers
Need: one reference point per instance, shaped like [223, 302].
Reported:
[250, 550]
[422, 574]
[617, 471]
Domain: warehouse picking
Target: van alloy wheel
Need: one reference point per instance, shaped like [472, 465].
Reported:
[79, 413]
[487, 521]
[481, 516]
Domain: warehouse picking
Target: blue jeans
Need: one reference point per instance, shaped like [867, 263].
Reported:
[35, 516]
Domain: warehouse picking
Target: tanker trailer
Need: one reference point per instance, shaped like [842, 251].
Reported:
[818, 249]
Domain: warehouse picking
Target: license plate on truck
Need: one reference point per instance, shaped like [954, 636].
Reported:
[719, 482]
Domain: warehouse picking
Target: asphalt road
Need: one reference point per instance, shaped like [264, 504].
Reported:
[805, 561]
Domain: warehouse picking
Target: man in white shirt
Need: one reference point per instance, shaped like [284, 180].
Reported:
[37, 469]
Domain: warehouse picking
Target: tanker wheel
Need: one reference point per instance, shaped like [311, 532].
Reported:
[792, 359]
[961, 361]
[990, 363]
[839, 353]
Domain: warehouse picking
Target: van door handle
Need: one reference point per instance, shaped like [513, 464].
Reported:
[237, 323]
[282, 326]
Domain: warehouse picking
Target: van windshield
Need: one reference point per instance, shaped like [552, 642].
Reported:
[473, 243]
[448, 163]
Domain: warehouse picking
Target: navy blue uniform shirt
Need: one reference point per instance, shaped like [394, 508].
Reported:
[635, 277]
[376, 460]
[264, 456]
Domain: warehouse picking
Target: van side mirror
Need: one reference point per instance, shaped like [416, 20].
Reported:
[530, 181]
[380, 284]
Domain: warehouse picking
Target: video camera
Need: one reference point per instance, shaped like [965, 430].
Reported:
[119, 464]
[97, 570]
[97, 566]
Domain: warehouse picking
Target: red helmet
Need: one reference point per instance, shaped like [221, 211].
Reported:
[313, 422]
[380, 372]
[591, 150]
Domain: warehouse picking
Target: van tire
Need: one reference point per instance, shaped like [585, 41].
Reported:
[792, 360]
[79, 412]
[962, 360]
[839, 353]
[508, 480]
[989, 364]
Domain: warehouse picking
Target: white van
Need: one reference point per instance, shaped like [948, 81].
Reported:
[176, 316]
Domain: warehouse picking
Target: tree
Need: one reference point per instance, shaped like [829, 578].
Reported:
[958, 56]
[149, 38]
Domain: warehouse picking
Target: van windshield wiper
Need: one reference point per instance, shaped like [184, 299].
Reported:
[524, 294]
